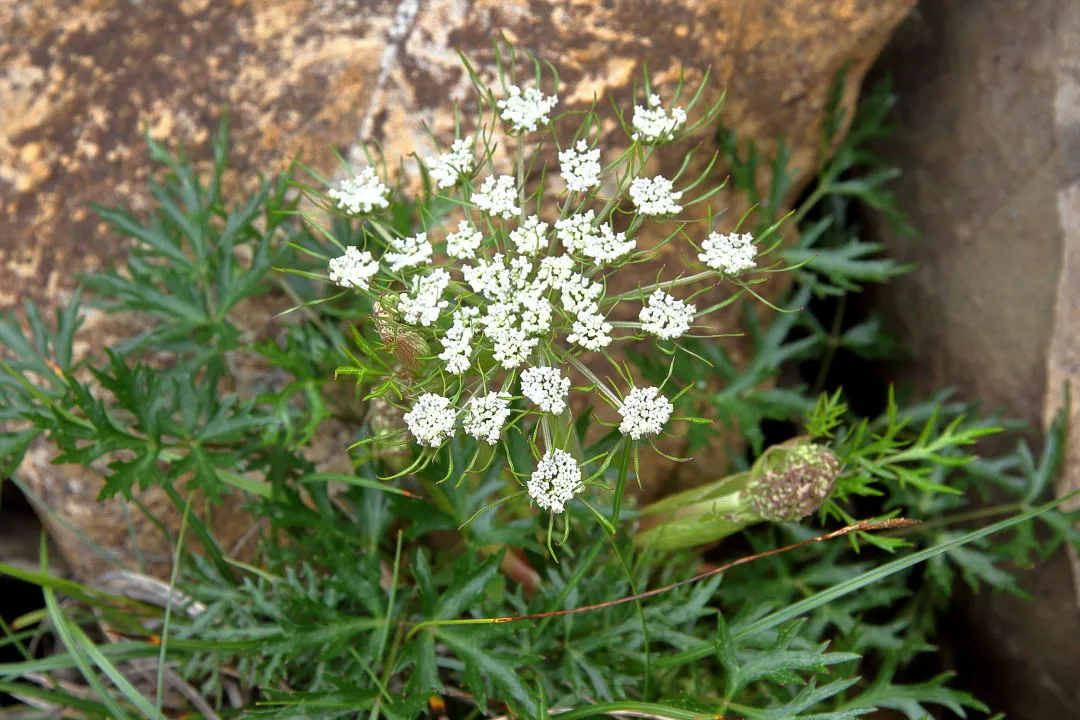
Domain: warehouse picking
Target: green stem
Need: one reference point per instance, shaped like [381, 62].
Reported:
[620, 484]
[591, 377]
[815, 197]
[665, 285]
[831, 346]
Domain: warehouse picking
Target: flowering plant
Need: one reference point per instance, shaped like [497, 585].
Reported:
[488, 331]
[488, 319]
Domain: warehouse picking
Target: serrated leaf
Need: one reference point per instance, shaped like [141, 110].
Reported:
[481, 665]
[465, 589]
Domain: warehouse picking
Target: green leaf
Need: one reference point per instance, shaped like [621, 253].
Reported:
[481, 665]
[465, 588]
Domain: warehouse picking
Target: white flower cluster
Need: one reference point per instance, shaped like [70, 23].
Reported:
[408, 252]
[531, 237]
[464, 243]
[354, 269]
[580, 167]
[422, 305]
[526, 111]
[451, 166]
[523, 293]
[730, 254]
[644, 413]
[486, 416]
[361, 194]
[665, 316]
[653, 125]
[431, 419]
[498, 196]
[457, 342]
[555, 481]
[546, 387]
[655, 196]
[579, 234]
[590, 330]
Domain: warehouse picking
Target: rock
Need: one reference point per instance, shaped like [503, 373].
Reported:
[977, 86]
[1063, 358]
[303, 78]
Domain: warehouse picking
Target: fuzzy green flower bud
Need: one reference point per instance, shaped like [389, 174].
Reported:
[788, 482]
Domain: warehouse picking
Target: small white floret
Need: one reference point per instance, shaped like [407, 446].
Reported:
[655, 196]
[431, 420]
[546, 387]
[486, 415]
[464, 243]
[457, 342]
[498, 195]
[644, 413]
[531, 237]
[361, 194]
[354, 269]
[665, 316]
[408, 252]
[580, 167]
[525, 111]
[605, 245]
[574, 231]
[729, 254]
[653, 125]
[421, 306]
[451, 166]
[555, 481]
[590, 329]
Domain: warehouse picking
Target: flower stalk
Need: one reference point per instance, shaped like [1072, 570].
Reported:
[788, 482]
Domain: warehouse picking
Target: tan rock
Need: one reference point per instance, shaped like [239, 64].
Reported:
[987, 142]
[302, 78]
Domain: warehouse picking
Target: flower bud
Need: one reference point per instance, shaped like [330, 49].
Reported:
[404, 343]
[789, 482]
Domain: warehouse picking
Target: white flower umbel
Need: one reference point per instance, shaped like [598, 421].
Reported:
[665, 316]
[464, 243]
[580, 167]
[531, 237]
[546, 387]
[451, 166]
[644, 413]
[525, 111]
[354, 269]
[730, 254]
[361, 194]
[457, 342]
[535, 314]
[511, 344]
[655, 196]
[422, 305]
[653, 125]
[408, 252]
[578, 293]
[553, 272]
[498, 196]
[555, 481]
[606, 245]
[590, 330]
[486, 415]
[573, 231]
[431, 420]
[496, 280]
